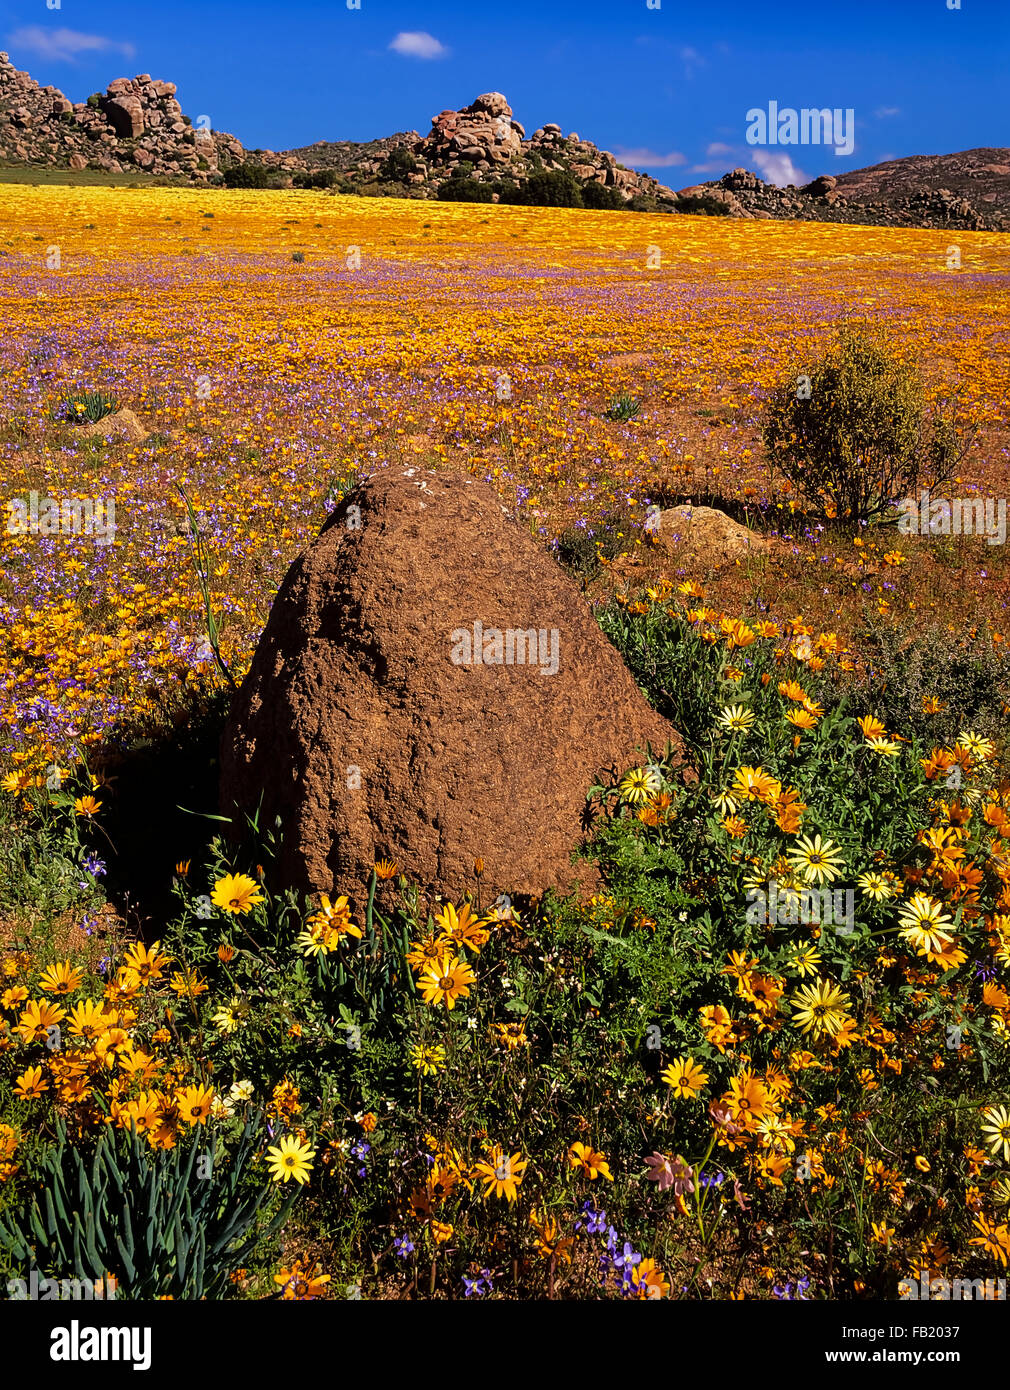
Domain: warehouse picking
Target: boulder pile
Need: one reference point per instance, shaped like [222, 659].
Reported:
[485, 137]
[137, 123]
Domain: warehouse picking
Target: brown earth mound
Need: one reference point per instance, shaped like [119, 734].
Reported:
[430, 687]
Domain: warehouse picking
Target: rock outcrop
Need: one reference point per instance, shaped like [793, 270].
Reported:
[136, 124]
[432, 688]
[486, 137]
[900, 193]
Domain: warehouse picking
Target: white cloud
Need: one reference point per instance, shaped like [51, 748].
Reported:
[717, 156]
[882, 112]
[649, 158]
[774, 168]
[778, 168]
[418, 45]
[691, 59]
[63, 45]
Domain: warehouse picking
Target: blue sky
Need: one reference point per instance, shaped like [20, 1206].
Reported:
[665, 89]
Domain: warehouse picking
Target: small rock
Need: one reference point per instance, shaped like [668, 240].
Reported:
[706, 535]
[122, 425]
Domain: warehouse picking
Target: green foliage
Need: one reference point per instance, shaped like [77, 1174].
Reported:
[462, 187]
[680, 675]
[905, 667]
[600, 196]
[702, 204]
[153, 1219]
[249, 175]
[547, 188]
[340, 485]
[85, 407]
[623, 406]
[397, 166]
[581, 548]
[40, 862]
[851, 431]
[648, 202]
[316, 178]
[274, 994]
[202, 566]
[874, 808]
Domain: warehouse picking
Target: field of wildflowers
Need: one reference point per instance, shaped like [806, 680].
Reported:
[210, 1088]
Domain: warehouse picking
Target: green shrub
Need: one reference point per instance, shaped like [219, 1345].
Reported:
[851, 432]
[905, 669]
[703, 204]
[647, 202]
[397, 165]
[465, 189]
[547, 188]
[316, 178]
[248, 176]
[599, 196]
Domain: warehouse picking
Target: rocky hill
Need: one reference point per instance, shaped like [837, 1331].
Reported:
[484, 140]
[481, 151]
[981, 177]
[968, 191]
[136, 123]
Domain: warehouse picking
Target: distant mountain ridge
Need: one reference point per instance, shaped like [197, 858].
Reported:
[969, 190]
[965, 191]
[138, 124]
[980, 176]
